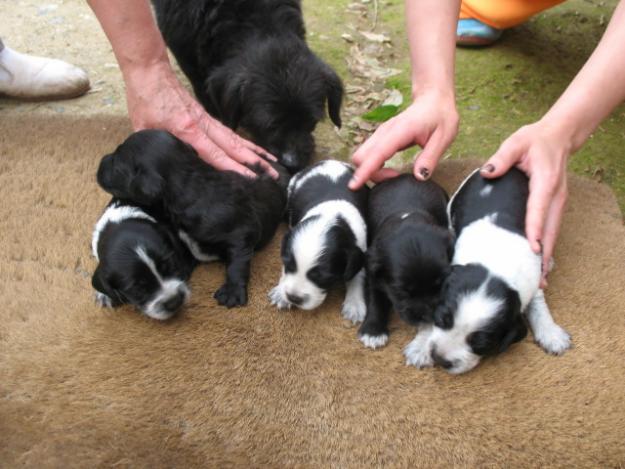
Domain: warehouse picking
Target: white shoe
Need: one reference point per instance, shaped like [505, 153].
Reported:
[29, 77]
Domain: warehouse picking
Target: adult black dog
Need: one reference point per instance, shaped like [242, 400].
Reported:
[218, 214]
[250, 67]
[409, 254]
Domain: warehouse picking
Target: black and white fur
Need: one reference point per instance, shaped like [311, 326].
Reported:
[250, 67]
[326, 242]
[494, 281]
[219, 214]
[409, 254]
[140, 262]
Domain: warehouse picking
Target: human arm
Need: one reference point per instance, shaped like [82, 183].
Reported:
[157, 99]
[543, 148]
[431, 121]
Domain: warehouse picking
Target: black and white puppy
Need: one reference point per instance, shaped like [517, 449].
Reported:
[409, 254]
[250, 67]
[494, 282]
[140, 262]
[326, 242]
[218, 214]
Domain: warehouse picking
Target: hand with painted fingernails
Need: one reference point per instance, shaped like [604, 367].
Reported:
[541, 153]
[156, 99]
[431, 122]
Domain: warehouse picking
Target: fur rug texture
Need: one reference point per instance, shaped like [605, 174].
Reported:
[256, 387]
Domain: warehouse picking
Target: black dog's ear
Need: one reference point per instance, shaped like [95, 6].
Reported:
[105, 172]
[355, 262]
[516, 333]
[147, 187]
[100, 283]
[225, 89]
[334, 94]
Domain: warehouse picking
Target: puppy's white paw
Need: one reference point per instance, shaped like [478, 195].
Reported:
[417, 352]
[103, 300]
[553, 339]
[354, 309]
[374, 341]
[277, 299]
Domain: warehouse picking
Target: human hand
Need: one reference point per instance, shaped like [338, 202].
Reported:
[431, 122]
[157, 99]
[541, 153]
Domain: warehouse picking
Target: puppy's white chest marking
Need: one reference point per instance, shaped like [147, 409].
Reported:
[505, 254]
[195, 248]
[115, 214]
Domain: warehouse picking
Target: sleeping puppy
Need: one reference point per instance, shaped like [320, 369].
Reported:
[494, 281]
[250, 67]
[326, 242]
[219, 215]
[409, 254]
[140, 262]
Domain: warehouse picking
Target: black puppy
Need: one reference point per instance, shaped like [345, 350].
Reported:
[218, 214]
[250, 66]
[494, 281]
[409, 254]
[140, 262]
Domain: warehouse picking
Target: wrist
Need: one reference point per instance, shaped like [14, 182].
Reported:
[563, 130]
[141, 73]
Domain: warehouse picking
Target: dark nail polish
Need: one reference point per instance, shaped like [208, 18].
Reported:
[489, 168]
[424, 172]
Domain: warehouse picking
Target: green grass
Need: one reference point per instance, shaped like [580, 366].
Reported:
[503, 87]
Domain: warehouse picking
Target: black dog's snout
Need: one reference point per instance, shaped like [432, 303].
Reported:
[440, 361]
[295, 299]
[174, 302]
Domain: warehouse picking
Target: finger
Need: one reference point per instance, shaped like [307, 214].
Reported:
[552, 226]
[426, 161]
[233, 144]
[538, 202]
[265, 168]
[214, 156]
[384, 174]
[504, 158]
[364, 172]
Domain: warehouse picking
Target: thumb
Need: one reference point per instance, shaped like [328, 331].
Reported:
[499, 164]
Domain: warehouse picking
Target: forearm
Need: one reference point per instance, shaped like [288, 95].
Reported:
[132, 32]
[431, 26]
[596, 90]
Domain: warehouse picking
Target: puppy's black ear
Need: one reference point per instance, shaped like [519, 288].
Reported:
[355, 262]
[516, 333]
[334, 94]
[100, 283]
[147, 187]
[225, 88]
[105, 172]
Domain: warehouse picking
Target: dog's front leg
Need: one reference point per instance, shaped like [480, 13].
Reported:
[354, 306]
[374, 330]
[417, 352]
[551, 337]
[234, 291]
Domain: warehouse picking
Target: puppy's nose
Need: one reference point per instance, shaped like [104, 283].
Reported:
[174, 302]
[295, 299]
[440, 361]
